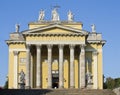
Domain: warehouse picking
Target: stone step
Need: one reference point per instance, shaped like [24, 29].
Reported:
[55, 92]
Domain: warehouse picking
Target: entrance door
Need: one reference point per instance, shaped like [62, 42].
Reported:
[55, 81]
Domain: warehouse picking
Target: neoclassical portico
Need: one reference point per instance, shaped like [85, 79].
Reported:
[55, 54]
[61, 66]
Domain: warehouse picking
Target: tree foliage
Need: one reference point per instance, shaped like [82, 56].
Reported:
[111, 83]
[6, 85]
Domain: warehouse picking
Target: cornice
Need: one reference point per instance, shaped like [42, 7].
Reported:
[54, 22]
[14, 42]
[38, 34]
[96, 41]
[41, 29]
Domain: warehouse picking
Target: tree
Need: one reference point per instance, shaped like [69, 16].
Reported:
[110, 83]
[6, 85]
[117, 82]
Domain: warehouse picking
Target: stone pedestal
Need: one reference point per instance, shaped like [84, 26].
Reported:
[89, 85]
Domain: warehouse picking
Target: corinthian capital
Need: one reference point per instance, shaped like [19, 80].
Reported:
[61, 46]
[16, 52]
[82, 46]
[95, 53]
[71, 46]
[49, 46]
[28, 46]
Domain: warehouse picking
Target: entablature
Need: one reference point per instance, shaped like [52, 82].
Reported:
[38, 34]
[96, 42]
[55, 26]
[14, 42]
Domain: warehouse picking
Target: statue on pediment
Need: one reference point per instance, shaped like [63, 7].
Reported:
[70, 16]
[93, 28]
[17, 27]
[55, 15]
[41, 15]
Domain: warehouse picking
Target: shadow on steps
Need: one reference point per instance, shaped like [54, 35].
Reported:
[55, 92]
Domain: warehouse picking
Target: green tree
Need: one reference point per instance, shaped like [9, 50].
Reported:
[117, 82]
[6, 85]
[110, 83]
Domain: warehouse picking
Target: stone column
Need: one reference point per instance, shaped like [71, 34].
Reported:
[72, 76]
[38, 66]
[28, 68]
[82, 67]
[49, 66]
[61, 69]
[15, 69]
[95, 66]
[31, 69]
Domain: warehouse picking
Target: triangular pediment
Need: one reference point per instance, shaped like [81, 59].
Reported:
[55, 29]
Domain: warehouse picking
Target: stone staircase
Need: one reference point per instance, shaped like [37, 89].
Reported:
[55, 92]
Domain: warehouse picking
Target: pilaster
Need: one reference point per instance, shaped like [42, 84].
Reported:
[15, 69]
[95, 66]
[28, 67]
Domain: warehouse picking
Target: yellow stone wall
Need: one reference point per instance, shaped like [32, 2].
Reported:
[100, 68]
[33, 25]
[44, 74]
[55, 38]
[79, 26]
[66, 74]
[11, 70]
[15, 47]
[22, 65]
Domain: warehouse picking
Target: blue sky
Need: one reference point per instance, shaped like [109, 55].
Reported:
[105, 14]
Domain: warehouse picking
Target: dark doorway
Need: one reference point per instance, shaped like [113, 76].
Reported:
[55, 81]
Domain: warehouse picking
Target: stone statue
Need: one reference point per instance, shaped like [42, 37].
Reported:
[17, 27]
[55, 15]
[41, 15]
[22, 80]
[70, 16]
[93, 28]
[88, 78]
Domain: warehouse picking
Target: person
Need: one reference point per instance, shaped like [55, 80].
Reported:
[41, 15]
[55, 15]
[70, 16]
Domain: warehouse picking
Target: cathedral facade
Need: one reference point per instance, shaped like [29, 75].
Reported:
[55, 54]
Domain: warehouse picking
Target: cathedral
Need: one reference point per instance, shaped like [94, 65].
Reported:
[55, 54]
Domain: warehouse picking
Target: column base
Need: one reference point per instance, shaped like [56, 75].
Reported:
[27, 87]
[72, 86]
[82, 87]
[89, 86]
[38, 87]
[49, 87]
[61, 87]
